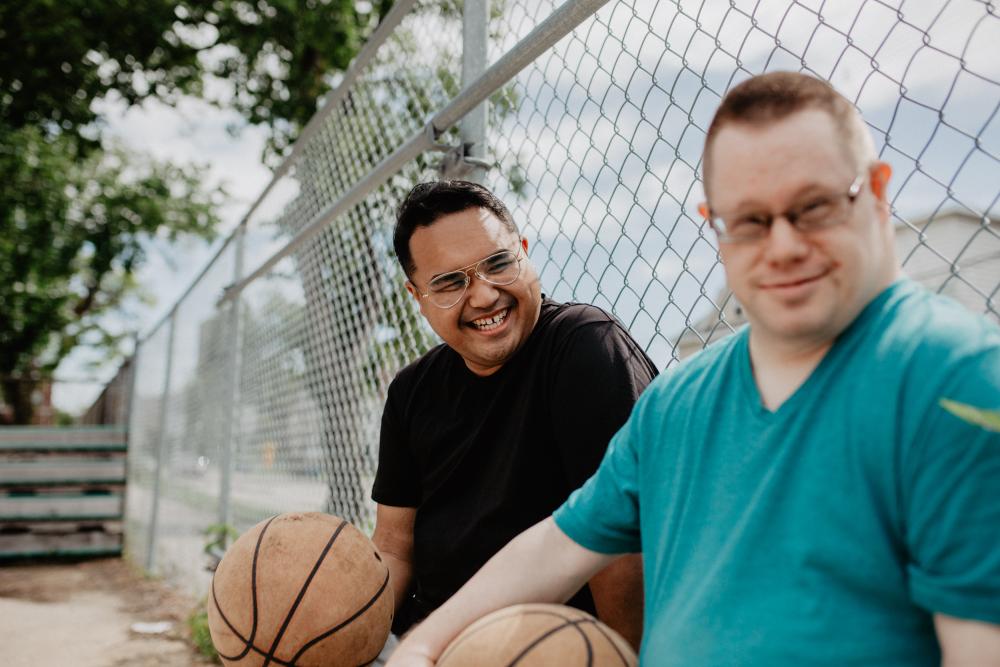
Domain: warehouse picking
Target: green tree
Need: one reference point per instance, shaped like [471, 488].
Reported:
[276, 58]
[71, 235]
[73, 210]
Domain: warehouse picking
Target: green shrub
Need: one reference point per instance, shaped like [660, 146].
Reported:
[200, 637]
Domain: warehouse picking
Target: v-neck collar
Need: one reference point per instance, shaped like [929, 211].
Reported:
[831, 358]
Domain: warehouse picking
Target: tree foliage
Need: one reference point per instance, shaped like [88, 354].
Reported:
[74, 209]
[71, 237]
[273, 59]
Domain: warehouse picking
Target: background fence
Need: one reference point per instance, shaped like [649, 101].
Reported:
[266, 397]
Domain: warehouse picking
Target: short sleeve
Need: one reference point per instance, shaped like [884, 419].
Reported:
[603, 515]
[396, 481]
[952, 500]
[599, 374]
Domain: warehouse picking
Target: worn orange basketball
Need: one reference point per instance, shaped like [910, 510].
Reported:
[300, 590]
[538, 635]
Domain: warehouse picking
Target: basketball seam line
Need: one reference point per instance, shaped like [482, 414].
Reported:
[569, 623]
[291, 663]
[248, 644]
[247, 641]
[346, 622]
[302, 592]
[614, 644]
[533, 612]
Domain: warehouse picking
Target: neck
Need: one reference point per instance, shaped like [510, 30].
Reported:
[780, 367]
[767, 350]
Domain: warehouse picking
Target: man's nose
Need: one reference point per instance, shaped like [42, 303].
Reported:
[481, 293]
[785, 243]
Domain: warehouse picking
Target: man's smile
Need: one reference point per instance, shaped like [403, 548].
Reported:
[492, 321]
[787, 284]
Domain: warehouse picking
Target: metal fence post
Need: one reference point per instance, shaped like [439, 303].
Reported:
[129, 393]
[475, 36]
[128, 415]
[230, 416]
[161, 446]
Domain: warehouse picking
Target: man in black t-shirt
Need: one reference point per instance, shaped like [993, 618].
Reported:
[486, 434]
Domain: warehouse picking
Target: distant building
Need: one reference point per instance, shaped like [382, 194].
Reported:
[112, 406]
[954, 253]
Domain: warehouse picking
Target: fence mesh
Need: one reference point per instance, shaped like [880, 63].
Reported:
[597, 149]
[176, 436]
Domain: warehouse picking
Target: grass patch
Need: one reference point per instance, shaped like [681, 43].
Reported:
[200, 636]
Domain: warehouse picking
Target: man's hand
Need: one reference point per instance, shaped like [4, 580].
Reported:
[541, 564]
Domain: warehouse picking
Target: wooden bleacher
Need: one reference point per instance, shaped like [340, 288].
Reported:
[62, 491]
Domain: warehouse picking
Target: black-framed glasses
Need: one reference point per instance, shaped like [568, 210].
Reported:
[447, 289]
[813, 213]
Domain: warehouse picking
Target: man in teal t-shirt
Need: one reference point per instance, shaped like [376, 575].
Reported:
[798, 491]
[826, 531]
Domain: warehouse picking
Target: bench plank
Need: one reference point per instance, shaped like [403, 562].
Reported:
[48, 507]
[51, 445]
[61, 471]
[23, 545]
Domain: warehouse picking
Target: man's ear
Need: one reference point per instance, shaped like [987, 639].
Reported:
[881, 172]
[411, 288]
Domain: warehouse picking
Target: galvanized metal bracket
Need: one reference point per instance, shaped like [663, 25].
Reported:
[458, 163]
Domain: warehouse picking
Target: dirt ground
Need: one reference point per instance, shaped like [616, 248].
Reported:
[82, 615]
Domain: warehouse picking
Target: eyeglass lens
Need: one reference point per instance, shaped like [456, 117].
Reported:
[501, 268]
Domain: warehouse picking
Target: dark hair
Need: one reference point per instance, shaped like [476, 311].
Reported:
[774, 96]
[428, 202]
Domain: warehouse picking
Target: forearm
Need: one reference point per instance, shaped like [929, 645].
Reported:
[393, 537]
[400, 577]
[618, 596]
[967, 643]
[540, 565]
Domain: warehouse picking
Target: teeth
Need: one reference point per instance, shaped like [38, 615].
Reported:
[487, 323]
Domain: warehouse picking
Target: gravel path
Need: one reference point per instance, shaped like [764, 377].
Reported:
[82, 614]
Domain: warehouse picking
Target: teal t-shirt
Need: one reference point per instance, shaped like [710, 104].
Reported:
[829, 531]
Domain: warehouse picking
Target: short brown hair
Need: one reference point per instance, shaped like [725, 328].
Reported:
[774, 96]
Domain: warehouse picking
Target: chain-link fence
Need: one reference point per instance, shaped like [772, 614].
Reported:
[268, 399]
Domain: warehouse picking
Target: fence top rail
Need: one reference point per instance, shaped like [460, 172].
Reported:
[546, 34]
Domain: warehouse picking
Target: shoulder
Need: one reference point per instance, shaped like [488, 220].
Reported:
[428, 367]
[919, 348]
[583, 334]
[579, 321]
[571, 315]
[931, 333]
[682, 383]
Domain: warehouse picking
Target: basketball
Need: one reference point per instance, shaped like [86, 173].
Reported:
[300, 590]
[538, 635]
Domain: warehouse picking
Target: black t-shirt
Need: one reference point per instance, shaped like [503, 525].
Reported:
[484, 458]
